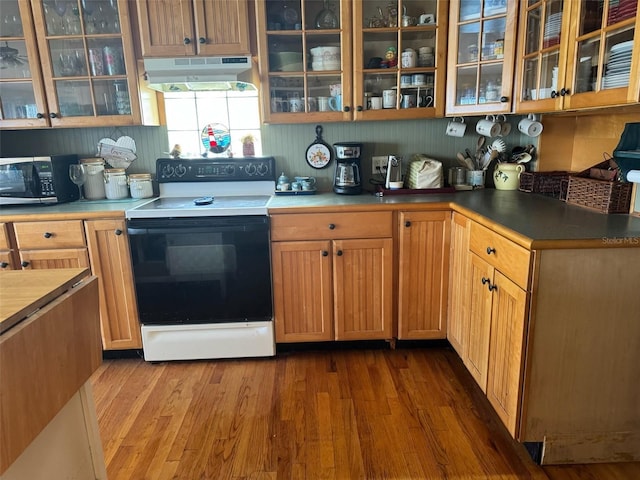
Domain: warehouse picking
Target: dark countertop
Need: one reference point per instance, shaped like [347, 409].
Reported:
[534, 221]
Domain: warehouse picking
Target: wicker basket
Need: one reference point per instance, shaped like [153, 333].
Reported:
[552, 184]
[602, 195]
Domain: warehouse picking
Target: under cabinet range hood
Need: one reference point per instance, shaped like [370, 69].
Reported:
[198, 73]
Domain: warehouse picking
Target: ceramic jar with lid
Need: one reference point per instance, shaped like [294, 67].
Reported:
[140, 185]
[506, 176]
[94, 185]
[115, 183]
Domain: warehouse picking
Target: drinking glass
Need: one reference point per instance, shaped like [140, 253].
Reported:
[78, 175]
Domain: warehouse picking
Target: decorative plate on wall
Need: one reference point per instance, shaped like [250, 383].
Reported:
[319, 153]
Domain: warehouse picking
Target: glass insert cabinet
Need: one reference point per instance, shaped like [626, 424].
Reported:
[343, 60]
[65, 63]
[577, 54]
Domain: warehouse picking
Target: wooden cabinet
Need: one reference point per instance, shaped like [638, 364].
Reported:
[323, 60]
[332, 276]
[423, 271]
[111, 263]
[68, 64]
[193, 27]
[101, 245]
[481, 49]
[496, 320]
[458, 298]
[54, 244]
[589, 65]
[7, 253]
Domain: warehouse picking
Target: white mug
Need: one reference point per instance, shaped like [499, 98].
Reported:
[488, 127]
[376, 103]
[456, 129]
[323, 104]
[418, 79]
[530, 126]
[408, 100]
[408, 58]
[427, 18]
[388, 99]
[295, 105]
[405, 80]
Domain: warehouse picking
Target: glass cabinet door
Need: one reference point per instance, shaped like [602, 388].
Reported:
[21, 93]
[85, 61]
[481, 55]
[305, 60]
[399, 52]
[542, 57]
[600, 73]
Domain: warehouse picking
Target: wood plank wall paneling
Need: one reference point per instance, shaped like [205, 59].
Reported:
[287, 143]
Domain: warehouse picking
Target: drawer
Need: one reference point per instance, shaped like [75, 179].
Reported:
[327, 226]
[57, 234]
[507, 257]
[4, 237]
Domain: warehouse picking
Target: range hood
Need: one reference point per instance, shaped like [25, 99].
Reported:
[198, 73]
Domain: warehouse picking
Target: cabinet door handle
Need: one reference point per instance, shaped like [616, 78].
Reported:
[339, 253]
[565, 91]
[347, 108]
[118, 231]
[325, 253]
[202, 40]
[490, 250]
[484, 280]
[186, 41]
[359, 108]
[492, 287]
[554, 94]
[47, 235]
[407, 224]
[332, 226]
[504, 99]
[25, 264]
[4, 265]
[40, 115]
[53, 115]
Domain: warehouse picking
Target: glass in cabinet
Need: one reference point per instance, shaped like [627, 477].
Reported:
[21, 89]
[305, 60]
[599, 72]
[85, 54]
[399, 51]
[480, 64]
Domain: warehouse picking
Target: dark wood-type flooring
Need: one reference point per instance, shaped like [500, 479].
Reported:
[409, 413]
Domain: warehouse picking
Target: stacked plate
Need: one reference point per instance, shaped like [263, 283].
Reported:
[620, 10]
[552, 29]
[619, 66]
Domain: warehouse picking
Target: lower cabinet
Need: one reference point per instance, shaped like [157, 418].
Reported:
[111, 263]
[101, 245]
[423, 274]
[458, 308]
[332, 276]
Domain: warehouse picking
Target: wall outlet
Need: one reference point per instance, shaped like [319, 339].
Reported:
[379, 164]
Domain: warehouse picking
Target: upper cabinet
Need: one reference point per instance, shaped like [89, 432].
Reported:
[481, 56]
[170, 28]
[344, 60]
[577, 54]
[79, 72]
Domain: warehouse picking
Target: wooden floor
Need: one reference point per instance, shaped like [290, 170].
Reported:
[410, 413]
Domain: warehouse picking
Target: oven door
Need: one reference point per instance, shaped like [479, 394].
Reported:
[201, 270]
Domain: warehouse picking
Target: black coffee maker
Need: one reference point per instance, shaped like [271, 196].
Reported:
[347, 179]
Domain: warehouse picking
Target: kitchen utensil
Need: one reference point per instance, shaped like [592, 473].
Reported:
[522, 158]
[499, 145]
[464, 161]
[319, 153]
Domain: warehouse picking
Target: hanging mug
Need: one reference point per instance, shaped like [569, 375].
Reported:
[456, 129]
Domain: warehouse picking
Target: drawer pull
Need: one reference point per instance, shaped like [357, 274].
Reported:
[325, 253]
[25, 264]
[339, 253]
[490, 250]
[118, 231]
[407, 223]
[186, 41]
[4, 265]
[48, 235]
[332, 226]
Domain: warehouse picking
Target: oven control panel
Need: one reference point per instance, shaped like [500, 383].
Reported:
[213, 170]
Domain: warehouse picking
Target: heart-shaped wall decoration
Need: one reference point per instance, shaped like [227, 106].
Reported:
[118, 153]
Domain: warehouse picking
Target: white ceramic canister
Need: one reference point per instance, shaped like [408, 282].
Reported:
[140, 185]
[94, 185]
[506, 176]
[115, 183]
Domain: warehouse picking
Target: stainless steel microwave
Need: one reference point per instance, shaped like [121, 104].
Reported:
[37, 180]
